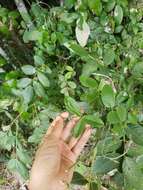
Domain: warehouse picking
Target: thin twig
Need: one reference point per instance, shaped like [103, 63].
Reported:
[105, 76]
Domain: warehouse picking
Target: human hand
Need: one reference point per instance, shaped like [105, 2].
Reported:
[57, 154]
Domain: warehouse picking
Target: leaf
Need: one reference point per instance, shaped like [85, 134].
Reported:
[82, 34]
[137, 70]
[103, 165]
[72, 106]
[110, 5]
[118, 14]
[80, 126]
[37, 135]
[135, 150]
[72, 84]
[108, 145]
[39, 90]
[122, 113]
[27, 94]
[112, 117]
[43, 79]
[108, 96]
[95, 6]
[132, 174]
[7, 141]
[89, 68]
[24, 82]
[69, 3]
[24, 156]
[136, 133]
[93, 186]
[5, 103]
[32, 35]
[38, 60]
[77, 49]
[88, 82]
[92, 120]
[16, 166]
[28, 69]
[109, 56]
[78, 179]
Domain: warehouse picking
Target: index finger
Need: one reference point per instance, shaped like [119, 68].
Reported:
[56, 125]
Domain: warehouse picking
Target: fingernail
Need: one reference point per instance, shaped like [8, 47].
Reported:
[88, 126]
[76, 118]
[57, 118]
[64, 115]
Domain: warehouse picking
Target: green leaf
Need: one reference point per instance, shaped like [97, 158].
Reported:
[24, 156]
[78, 179]
[137, 70]
[108, 96]
[112, 117]
[37, 135]
[136, 133]
[27, 94]
[72, 84]
[93, 186]
[88, 82]
[43, 79]
[7, 141]
[118, 14]
[69, 3]
[110, 5]
[109, 56]
[68, 75]
[38, 60]
[39, 90]
[103, 165]
[135, 150]
[24, 82]
[122, 113]
[132, 118]
[77, 49]
[92, 120]
[108, 145]
[95, 6]
[72, 106]
[16, 166]
[28, 69]
[132, 174]
[32, 35]
[80, 126]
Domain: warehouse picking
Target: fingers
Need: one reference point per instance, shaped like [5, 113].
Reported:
[73, 142]
[82, 141]
[56, 126]
[68, 128]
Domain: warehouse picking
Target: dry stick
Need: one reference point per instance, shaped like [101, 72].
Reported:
[24, 13]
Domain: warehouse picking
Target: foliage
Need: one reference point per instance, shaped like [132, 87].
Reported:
[87, 59]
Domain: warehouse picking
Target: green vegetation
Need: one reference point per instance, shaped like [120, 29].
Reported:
[85, 57]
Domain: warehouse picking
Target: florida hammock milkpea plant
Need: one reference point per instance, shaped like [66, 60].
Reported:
[85, 57]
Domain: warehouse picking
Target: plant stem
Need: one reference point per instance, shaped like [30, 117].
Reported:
[24, 13]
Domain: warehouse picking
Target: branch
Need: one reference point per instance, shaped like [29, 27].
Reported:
[24, 13]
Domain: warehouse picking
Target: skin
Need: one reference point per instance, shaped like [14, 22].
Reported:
[57, 154]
